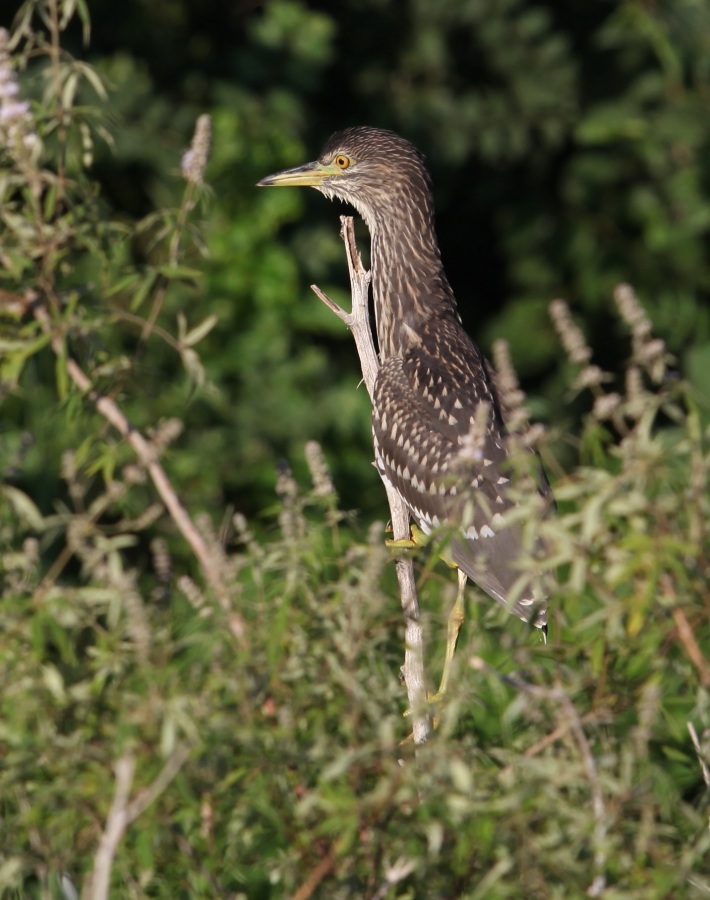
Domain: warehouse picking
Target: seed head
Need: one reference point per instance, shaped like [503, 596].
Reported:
[194, 160]
[573, 341]
[17, 131]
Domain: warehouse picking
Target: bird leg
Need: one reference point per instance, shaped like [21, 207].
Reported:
[456, 617]
[419, 539]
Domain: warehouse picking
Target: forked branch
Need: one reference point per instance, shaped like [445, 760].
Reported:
[109, 409]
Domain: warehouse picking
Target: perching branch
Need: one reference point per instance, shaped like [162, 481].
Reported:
[358, 321]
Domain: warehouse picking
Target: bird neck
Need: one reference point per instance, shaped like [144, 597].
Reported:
[409, 285]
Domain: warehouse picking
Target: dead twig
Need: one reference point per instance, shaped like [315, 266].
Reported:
[699, 750]
[571, 722]
[109, 409]
[687, 638]
[123, 812]
[315, 877]
[594, 716]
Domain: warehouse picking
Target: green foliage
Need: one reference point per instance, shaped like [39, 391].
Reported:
[231, 685]
[287, 705]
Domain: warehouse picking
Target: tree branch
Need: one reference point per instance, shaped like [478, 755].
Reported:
[123, 812]
[109, 409]
[358, 321]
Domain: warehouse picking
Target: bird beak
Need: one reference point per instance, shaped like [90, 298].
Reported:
[311, 174]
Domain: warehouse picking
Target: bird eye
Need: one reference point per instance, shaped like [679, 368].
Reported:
[342, 161]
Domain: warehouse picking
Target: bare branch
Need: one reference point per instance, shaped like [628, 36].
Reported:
[572, 722]
[315, 877]
[123, 812]
[97, 885]
[699, 750]
[332, 305]
[358, 321]
[693, 651]
[108, 408]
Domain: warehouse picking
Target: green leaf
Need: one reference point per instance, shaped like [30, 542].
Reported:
[25, 508]
[62, 376]
[145, 288]
[200, 331]
[179, 273]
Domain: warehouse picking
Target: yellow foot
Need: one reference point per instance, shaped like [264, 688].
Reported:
[438, 697]
[416, 539]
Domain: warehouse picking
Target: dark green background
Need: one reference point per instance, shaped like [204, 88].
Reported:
[569, 147]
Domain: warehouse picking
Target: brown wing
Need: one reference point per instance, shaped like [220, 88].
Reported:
[422, 415]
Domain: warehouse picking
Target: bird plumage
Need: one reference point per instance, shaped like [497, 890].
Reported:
[433, 380]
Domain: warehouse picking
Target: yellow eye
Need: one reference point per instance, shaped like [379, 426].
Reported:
[342, 161]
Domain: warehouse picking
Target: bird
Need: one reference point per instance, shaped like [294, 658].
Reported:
[434, 385]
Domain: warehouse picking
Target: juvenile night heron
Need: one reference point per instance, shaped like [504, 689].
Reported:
[433, 380]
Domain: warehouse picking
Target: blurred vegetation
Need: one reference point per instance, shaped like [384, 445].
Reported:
[569, 152]
[251, 733]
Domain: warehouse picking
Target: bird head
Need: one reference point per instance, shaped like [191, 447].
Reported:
[369, 168]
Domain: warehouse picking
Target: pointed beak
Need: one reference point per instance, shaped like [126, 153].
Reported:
[311, 174]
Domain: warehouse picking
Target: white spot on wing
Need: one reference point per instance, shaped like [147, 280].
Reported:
[426, 522]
